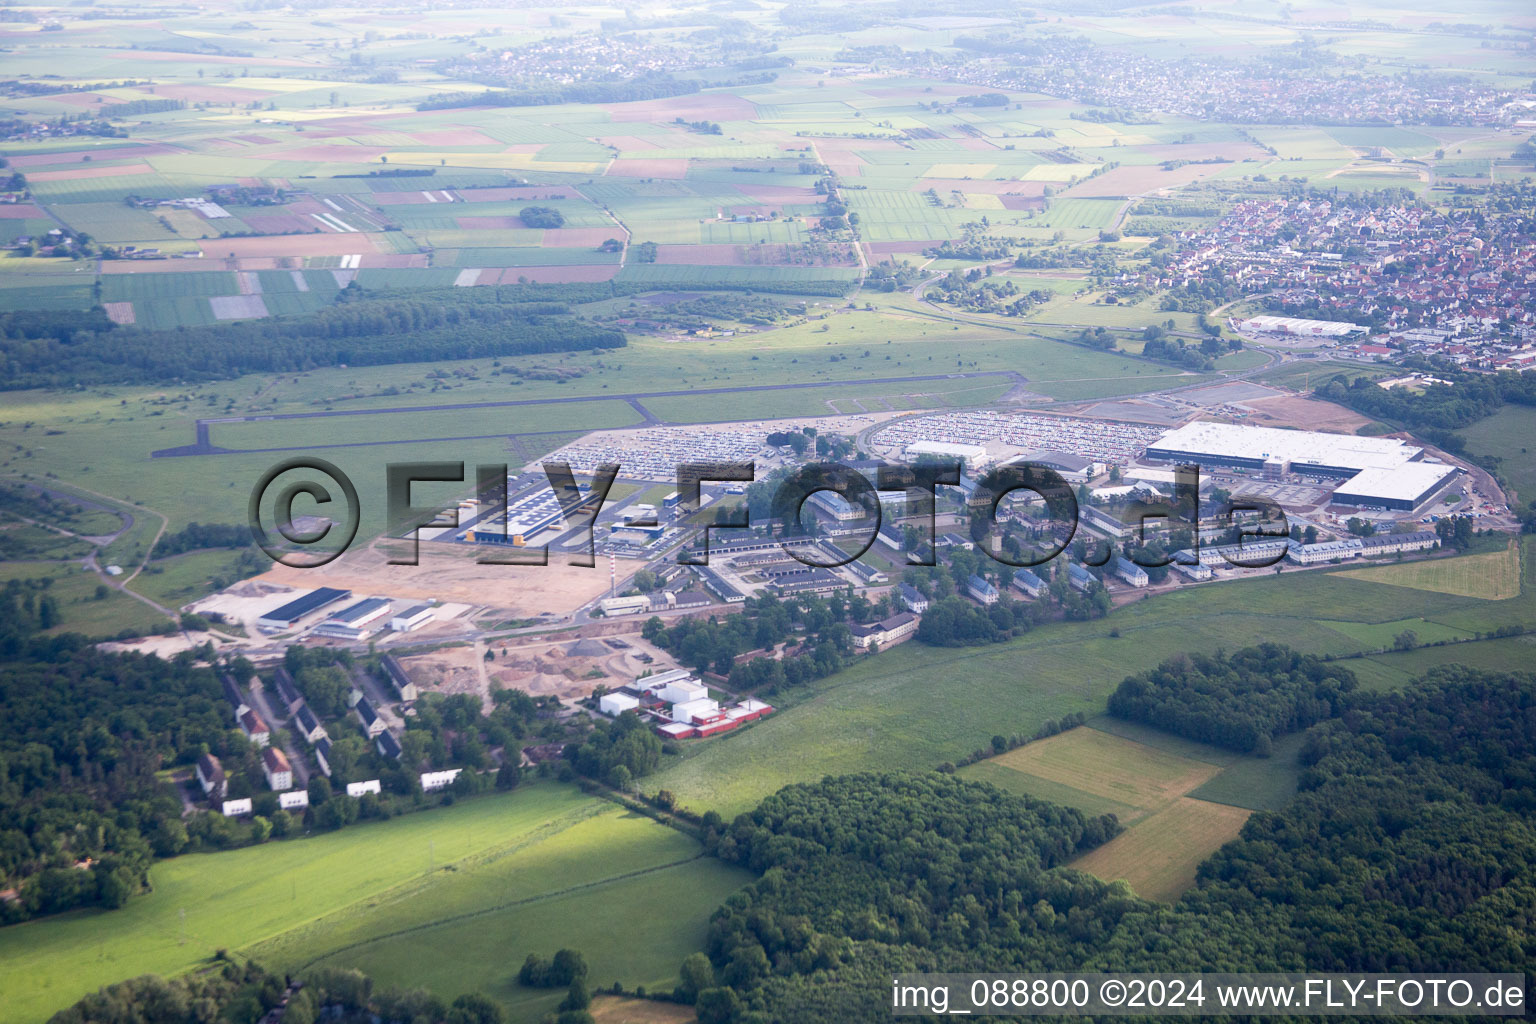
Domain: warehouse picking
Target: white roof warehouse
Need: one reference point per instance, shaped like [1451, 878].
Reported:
[1377, 471]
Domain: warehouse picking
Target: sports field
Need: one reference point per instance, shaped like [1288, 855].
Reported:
[535, 870]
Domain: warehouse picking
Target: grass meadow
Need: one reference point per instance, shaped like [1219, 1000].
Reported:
[519, 866]
[1510, 436]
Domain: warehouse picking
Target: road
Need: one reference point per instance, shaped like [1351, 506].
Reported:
[276, 716]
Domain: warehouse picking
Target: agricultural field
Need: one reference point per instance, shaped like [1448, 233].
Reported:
[530, 871]
[1148, 787]
[1492, 576]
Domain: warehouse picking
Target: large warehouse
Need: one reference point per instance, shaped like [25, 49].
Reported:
[1375, 472]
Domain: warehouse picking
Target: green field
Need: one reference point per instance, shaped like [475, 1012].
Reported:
[1509, 435]
[877, 714]
[534, 870]
[1305, 374]
[1492, 576]
[1147, 785]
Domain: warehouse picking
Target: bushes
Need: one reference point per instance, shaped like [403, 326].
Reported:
[541, 217]
[567, 966]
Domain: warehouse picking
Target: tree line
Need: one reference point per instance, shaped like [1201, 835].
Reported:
[652, 87]
[245, 993]
[1469, 397]
[361, 329]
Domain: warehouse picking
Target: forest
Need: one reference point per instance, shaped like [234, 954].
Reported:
[1410, 847]
[361, 329]
[236, 993]
[1468, 398]
[1241, 701]
[648, 88]
[815, 630]
[82, 734]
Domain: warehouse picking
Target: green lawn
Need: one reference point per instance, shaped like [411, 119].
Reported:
[512, 858]
[182, 579]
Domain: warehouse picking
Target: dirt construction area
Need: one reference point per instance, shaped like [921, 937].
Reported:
[449, 573]
[567, 668]
[1306, 413]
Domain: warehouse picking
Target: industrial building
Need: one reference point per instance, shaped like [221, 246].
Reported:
[351, 623]
[412, 618]
[630, 605]
[616, 704]
[815, 580]
[1373, 472]
[288, 615]
[717, 585]
[971, 456]
[1305, 328]
[1399, 489]
[1075, 468]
